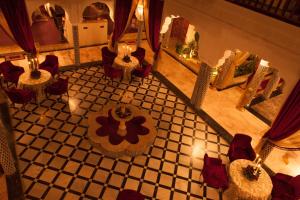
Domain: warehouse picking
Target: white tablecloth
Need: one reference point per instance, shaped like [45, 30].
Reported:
[126, 67]
[36, 85]
[242, 188]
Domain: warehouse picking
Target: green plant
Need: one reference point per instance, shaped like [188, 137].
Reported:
[247, 67]
[179, 48]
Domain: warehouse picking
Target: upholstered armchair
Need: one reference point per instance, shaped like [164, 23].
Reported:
[107, 56]
[214, 173]
[240, 148]
[130, 195]
[285, 187]
[142, 72]
[111, 72]
[139, 54]
[59, 87]
[20, 96]
[11, 73]
[50, 64]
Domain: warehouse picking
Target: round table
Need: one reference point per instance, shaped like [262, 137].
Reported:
[124, 147]
[127, 67]
[242, 188]
[36, 85]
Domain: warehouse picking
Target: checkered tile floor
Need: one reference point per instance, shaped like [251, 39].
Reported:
[57, 162]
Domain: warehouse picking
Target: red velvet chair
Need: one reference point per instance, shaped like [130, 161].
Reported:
[59, 87]
[108, 57]
[20, 96]
[139, 54]
[142, 72]
[130, 195]
[11, 73]
[50, 64]
[240, 148]
[111, 72]
[285, 187]
[214, 173]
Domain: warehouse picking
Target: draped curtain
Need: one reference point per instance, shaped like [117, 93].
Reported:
[153, 14]
[124, 10]
[4, 26]
[15, 13]
[288, 120]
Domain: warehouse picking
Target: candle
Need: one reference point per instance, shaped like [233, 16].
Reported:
[257, 168]
[259, 160]
[256, 158]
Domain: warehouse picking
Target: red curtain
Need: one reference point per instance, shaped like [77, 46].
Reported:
[288, 120]
[121, 17]
[15, 13]
[155, 9]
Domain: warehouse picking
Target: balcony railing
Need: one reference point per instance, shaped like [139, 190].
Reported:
[285, 10]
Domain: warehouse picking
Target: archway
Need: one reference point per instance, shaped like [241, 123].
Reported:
[50, 25]
[98, 11]
[180, 37]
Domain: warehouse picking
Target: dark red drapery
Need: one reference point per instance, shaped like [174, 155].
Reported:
[121, 16]
[288, 120]
[15, 13]
[154, 22]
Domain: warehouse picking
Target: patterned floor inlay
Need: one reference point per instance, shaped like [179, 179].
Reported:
[57, 161]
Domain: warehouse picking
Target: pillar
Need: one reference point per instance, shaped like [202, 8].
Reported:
[8, 155]
[201, 85]
[76, 44]
[252, 87]
[272, 84]
[139, 35]
[223, 69]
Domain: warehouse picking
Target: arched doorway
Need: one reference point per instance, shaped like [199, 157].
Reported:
[96, 12]
[50, 24]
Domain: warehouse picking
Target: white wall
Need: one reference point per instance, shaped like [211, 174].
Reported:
[223, 25]
[92, 32]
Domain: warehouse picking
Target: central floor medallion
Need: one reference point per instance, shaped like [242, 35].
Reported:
[121, 130]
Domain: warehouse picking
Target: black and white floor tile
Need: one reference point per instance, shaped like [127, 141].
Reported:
[57, 161]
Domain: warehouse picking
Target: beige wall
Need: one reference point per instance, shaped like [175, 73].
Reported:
[92, 32]
[223, 25]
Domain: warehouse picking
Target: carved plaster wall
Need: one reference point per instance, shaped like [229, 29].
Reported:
[74, 8]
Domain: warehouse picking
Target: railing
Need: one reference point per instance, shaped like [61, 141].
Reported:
[285, 10]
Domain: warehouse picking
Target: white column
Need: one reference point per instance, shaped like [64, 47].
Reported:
[76, 44]
[272, 84]
[201, 85]
[252, 87]
[139, 35]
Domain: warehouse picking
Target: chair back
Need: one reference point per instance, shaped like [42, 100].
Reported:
[139, 54]
[5, 66]
[282, 189]
[208, 162]
[59, 87]
[240, 148]
[20, 95]
[107, 56]
[130, 195]
[147, 70]
[295, 183]
[214, 173]
[51, 60]
[242, 140]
